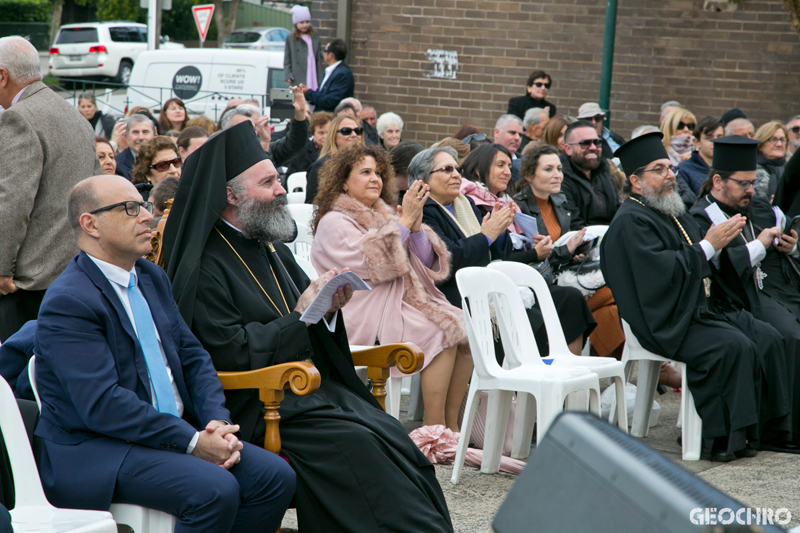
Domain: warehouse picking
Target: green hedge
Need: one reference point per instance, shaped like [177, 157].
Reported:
[25, 11]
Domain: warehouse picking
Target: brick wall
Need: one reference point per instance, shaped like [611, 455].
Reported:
[665, 50]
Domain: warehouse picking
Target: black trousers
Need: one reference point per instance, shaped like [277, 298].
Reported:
[17, 308]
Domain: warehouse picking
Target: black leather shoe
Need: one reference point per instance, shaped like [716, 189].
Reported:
[717, 457]
[747, 452]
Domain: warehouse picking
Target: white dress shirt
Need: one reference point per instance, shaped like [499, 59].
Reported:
[119, 279]
[328, 71]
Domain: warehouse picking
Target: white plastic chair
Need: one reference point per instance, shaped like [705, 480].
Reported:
[307, 267]
[301, 246]
[524, 275]
[296, 181]
[301, 213]
[295, 197]
[649, 368]
[32, 512]
[139, 519]
[549, 385]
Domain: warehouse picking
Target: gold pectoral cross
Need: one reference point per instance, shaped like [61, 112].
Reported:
[760, 277]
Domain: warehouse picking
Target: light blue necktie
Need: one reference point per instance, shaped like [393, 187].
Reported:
[146, 329]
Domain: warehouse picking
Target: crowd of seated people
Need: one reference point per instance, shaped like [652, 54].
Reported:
[405, 218]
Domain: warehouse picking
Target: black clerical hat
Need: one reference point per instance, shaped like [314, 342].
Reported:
[641, 151]
[734, 154]
[730, 115]
[201, 197]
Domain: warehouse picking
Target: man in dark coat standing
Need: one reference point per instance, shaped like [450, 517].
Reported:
[46, 147]
[656, 261]
[242, 293]
[338, 82]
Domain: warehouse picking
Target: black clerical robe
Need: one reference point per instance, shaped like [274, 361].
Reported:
[735, 364]
[357, 470]
[775, 301]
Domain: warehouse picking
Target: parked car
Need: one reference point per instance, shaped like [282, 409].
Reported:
[257, 39]
[99, 49]
[205, 79]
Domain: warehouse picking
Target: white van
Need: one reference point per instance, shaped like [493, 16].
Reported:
[205, 79]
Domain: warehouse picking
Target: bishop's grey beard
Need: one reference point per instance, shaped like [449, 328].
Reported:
[665, 199]
[265, 221]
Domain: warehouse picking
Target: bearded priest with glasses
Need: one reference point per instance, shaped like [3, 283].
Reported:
[658, 264]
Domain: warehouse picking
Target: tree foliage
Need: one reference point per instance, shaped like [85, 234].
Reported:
[25, 10]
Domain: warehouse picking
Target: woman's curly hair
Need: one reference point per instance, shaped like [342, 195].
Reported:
[148, 151]
[336, 171]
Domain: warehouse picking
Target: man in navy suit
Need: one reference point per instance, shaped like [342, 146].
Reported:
[132, 410]
[138, 130]
[338, 81]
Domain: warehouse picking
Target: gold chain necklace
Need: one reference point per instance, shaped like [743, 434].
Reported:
[706, 281]
[256, 280]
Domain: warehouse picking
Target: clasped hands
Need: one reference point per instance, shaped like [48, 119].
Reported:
[413, 202]
[218, 444]
[498, 220]
[719, 235]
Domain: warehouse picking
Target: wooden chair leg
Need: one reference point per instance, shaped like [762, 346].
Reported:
[272, 416]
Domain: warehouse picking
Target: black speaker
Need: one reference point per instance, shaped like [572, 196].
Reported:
[587, 475]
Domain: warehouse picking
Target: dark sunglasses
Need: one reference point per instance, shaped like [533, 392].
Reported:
[795, 129]
[540, 85]
[349, 131]
[598, 119]
[131, 208]
[690, 125]
[161, 166]
[474, 137]
[586, 143]
[449, 169]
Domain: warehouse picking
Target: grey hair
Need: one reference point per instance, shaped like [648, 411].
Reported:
[641, 130]
[367, 107]
[353, 102]
[506, 118]
[82, 199]
[532, 116]
[792, 119]
[671, 103]
[730, 126]
[136, 118]
[244, 110]
[20, 59]
[421, 167]
[388, 119]
[87, 96]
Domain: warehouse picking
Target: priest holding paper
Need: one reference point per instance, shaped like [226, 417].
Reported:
[240, 290]
[757, 270]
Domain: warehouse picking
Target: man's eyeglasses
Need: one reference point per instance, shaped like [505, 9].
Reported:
[587, 143]
[474, 137]
[682, 125]
[662, 171]
[448, 169]
[162, 166]
[540, 85]
[131, 208]
[349, 131]
[597, 119]
[745, 184]
[777, 140]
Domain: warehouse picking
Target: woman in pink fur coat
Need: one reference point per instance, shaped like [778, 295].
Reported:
[357, 225]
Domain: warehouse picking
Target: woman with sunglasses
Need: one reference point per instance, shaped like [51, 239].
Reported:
[678, 129]
[774, 139]
[342, 132]
[539, 83]
[157, 159]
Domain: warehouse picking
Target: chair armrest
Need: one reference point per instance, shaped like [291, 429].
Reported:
[379, 359]
[303, 378]
[406, 356]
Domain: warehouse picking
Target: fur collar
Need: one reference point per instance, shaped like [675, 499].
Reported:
[367, 217]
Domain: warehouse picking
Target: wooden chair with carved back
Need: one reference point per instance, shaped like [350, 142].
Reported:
[301, 377]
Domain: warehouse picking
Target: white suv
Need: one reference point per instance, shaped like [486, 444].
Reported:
[105, 49]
